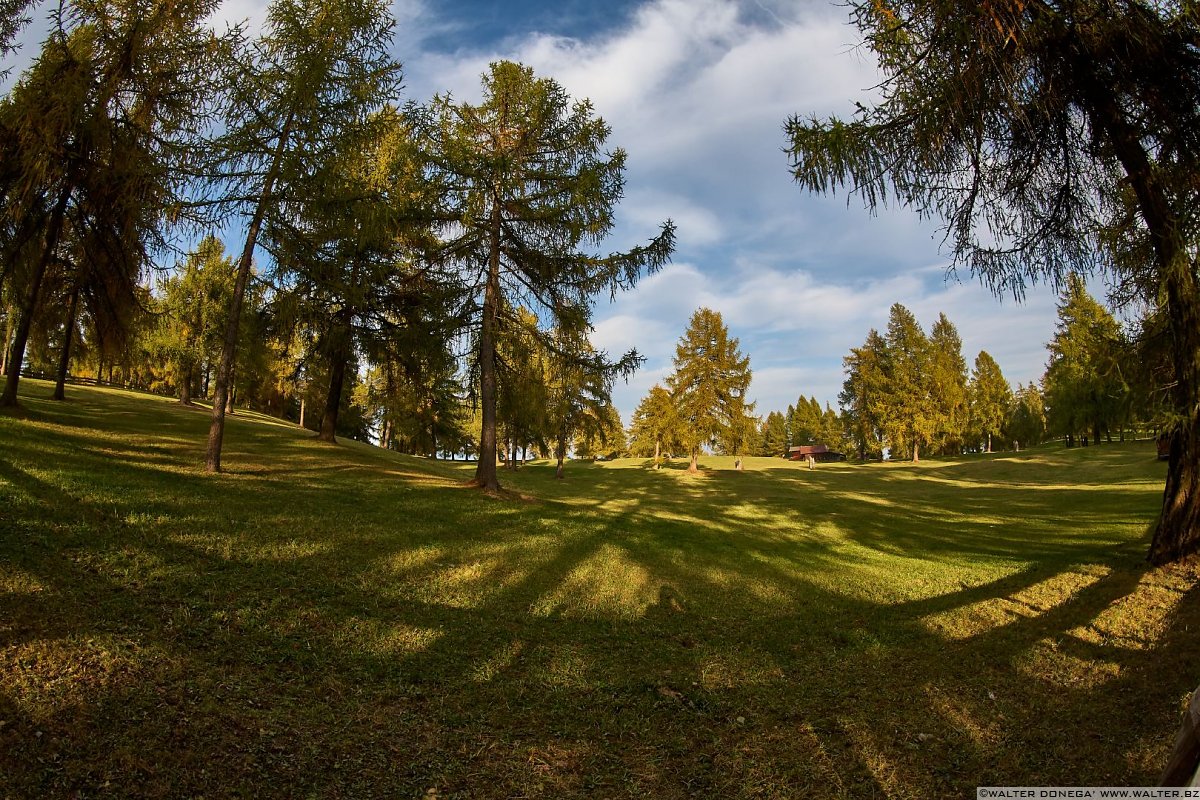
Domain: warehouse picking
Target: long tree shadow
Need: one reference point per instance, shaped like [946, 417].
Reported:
[618, 644]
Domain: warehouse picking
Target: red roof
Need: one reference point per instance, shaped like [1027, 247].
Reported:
[809, 449]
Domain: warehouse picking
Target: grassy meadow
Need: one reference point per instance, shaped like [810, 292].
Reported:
[341, 621]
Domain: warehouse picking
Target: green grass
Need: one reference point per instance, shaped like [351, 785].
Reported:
[327, 621]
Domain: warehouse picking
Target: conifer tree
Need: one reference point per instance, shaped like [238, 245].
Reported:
[709, 384]
[578, 395]
[98, 140]
[948, 398]
[1051, 138]
[1084, 382]
[655, 426]
[192, 308]
[1026, 425]
[864, 394]
[991, 399]
[909, 417]
[526, 185]
[318, 71]
[774, 437]
[804, 421]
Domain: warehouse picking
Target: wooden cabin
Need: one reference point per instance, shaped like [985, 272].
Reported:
[819, 452]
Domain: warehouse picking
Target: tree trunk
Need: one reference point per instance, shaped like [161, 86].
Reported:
[694, 466]
[216, 430]
[339, 357]
[301, 411]
[657, 450]
[185, 387]
[17, 354]
[1178, 530]
[989, 443]
[64, 360]
[8, 337]
[337, 379]
[916, 451]
[560, 452]
[485, 471]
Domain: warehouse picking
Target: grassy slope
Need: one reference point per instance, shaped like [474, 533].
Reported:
[345, 622]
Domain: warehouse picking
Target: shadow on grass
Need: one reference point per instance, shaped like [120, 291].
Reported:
[324, 624]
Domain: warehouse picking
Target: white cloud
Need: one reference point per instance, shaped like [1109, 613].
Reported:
[796, 328]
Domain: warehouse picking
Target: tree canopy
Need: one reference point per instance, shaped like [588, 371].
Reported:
[526, 186]
[709, 386]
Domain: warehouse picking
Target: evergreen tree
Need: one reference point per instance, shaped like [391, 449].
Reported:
[192, 309]
[318, 71]
[12, 19]
[98, 141]
[709, 385]
[605, 438]
[774, 437]
[991, 399]
[1085, 386]
[526, 185]
[909, 419]
[579, 396]
[1027, 417]
[834, 431]
[804, 421]
[655, 426]
[948, 396]
[864, 395]
[348, 249]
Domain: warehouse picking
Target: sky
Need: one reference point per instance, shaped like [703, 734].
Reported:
[697, 93]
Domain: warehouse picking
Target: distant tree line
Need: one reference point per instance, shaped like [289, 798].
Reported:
[907, 393]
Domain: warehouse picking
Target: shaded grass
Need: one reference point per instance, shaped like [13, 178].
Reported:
[346, 622]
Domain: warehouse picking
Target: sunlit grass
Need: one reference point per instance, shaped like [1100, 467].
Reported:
[343, 621]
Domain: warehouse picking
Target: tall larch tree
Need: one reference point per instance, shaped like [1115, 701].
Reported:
[948, 397]
[318, 70]
[655, 426]
[98, 141]
[991, 398]
[864, 394]
[527, 186]
[709, 384]
[1050, 137]
[1026, 425]
[1085, 383]
[774, 439]
[910, 419]
[578, 393]
[191, 315]
[348, 245]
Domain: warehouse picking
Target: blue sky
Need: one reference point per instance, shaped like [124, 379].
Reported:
[697, 92]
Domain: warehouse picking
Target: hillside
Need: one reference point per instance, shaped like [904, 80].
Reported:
[341, 621]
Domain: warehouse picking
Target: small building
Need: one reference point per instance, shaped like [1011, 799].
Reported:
[818, 452]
